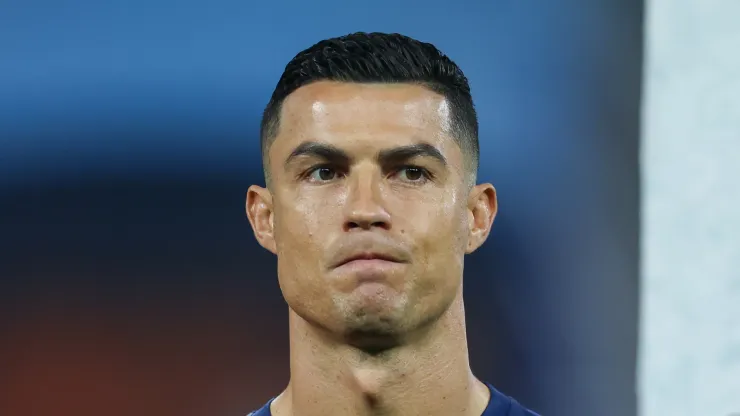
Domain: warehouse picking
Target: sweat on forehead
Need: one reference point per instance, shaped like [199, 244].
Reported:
[337, 104]
[368, 116]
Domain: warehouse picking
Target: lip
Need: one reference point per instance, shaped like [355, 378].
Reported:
[368, 259]
[368, 269]
[369, 266]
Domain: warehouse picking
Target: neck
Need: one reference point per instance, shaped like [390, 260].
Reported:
[429, 376]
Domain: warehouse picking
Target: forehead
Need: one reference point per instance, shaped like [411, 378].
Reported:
[366, 115]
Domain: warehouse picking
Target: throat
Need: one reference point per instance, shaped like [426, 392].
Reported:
[393, 385]
[375, 386]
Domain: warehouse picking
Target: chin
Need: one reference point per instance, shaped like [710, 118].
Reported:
[373, 341]
[373, 331]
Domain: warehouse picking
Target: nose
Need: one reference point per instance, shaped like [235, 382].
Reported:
[365, 208]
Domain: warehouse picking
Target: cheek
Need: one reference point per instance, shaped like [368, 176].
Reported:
[295, 232]
[441, 252]
[296, 244]
[440, 230]
[303, 226]
[439, 217]
[310, 210]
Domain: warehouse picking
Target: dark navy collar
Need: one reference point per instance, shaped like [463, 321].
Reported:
[499, 405]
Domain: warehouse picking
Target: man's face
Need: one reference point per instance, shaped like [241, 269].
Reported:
[369, 210]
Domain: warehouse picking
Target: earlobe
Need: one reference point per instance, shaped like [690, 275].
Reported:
[260, 214]
[482, 209]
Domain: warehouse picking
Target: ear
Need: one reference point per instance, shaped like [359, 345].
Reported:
[260, 214]
[482, 208]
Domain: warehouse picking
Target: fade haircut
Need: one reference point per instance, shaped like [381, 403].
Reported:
[378, 58]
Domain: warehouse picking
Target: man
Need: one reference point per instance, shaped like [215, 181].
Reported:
[370, 150]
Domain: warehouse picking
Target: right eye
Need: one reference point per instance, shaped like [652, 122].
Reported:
[322, 174]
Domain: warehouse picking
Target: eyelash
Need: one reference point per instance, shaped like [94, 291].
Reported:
[307, 174]
[425, 174]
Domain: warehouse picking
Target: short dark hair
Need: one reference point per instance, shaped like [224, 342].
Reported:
[378, 58]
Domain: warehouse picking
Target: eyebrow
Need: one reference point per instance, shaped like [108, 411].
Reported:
[327, 152]
[335, 155]
[403, 153]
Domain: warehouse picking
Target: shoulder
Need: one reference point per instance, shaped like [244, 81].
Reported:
[264, 411]
[519, 410]
[503, 405]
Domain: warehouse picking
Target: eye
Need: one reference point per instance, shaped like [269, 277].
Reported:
[322, 174]
[412, 174]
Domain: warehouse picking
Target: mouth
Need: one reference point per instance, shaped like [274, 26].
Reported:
[369, 258]
[368, 268]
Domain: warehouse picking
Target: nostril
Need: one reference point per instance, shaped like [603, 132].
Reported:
[366, 225]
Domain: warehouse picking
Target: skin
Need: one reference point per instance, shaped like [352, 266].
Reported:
[360, 169]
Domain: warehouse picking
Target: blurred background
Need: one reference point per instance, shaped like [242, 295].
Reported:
[130, 281]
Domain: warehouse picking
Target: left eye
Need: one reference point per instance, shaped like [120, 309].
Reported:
[411, 174]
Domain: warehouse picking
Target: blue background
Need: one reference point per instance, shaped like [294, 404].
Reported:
[128, 138]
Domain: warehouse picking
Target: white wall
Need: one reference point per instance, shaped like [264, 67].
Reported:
[690, 161]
